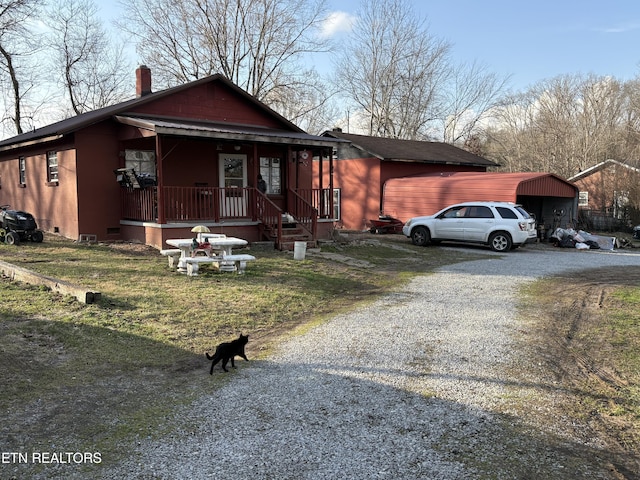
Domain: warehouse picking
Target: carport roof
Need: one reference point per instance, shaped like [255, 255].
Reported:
[501, 186]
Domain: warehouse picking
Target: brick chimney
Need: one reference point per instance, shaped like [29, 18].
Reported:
[143, 81]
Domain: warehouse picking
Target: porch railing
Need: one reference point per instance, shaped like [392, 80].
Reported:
[320, 198]
[304, 212]
[139, 204]
[208, 203]
[216, 204]
[189, 203]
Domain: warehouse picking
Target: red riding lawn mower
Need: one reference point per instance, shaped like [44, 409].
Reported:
[17, 226]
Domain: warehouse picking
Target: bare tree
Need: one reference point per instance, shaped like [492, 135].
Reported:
[257, 44]
[308, 104]
[629, 135]
[401, 79]
[254, 43]
[472, 94]
[392, 69]
[565, 125]
[93, 69]
[17, 45]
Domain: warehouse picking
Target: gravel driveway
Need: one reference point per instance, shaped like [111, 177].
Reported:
[409, 387]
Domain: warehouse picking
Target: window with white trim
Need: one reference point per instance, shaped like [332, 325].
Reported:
[583, 199]
[143, 162]
[271, 174]
[336, 204]
[22, 170]
[52, 167]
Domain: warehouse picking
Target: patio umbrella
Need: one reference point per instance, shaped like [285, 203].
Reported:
[200, 229]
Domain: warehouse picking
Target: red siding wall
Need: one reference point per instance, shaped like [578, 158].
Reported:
[55, 206]
[361, 183]
[211, 101]
[98, 192]
[602, 186]
[183, 158]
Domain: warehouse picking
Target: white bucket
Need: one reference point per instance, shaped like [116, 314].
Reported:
[299, 250]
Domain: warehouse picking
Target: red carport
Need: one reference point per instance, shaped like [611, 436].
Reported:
[550, 198]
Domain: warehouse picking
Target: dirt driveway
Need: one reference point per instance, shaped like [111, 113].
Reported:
[570, 333]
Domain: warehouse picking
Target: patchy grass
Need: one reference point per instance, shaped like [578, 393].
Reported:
[141, 296]
[622, 334]
[585, 332]
[96, 377]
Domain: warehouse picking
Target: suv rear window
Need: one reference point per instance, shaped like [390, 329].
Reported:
[523, 212]
[506, 212]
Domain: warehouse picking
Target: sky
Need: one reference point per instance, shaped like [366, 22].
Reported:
[526, 41]
[535, 40]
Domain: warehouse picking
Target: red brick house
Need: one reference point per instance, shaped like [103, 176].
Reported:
[152, 167]
[363, 164]
[609, 194]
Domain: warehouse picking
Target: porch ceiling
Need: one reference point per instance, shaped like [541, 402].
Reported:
[224, 131]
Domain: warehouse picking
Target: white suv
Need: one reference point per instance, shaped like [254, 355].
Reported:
[501, 225]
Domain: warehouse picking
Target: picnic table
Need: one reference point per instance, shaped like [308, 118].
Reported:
[216, 248]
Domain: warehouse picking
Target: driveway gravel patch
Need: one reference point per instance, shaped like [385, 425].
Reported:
[410, 386]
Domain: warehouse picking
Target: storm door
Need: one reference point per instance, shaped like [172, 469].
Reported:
[233, 181]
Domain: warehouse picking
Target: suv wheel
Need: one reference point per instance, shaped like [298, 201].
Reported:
[420, 236]
[500, 242]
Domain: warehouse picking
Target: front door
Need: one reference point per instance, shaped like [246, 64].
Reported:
[233, 179]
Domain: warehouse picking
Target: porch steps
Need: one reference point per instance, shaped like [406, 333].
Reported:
[292, 235]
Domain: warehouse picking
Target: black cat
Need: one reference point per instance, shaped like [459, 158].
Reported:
[227, 350]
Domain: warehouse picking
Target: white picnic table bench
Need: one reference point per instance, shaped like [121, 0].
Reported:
[172, 254]
[186, 259]
[238, 261]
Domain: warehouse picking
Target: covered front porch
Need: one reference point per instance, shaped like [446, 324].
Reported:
[154, 214]
[177, 175]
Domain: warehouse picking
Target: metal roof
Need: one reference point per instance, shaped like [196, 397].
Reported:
[496, 186]
[225, 131]
[601, 166]
[72, 124]
[393, 149]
